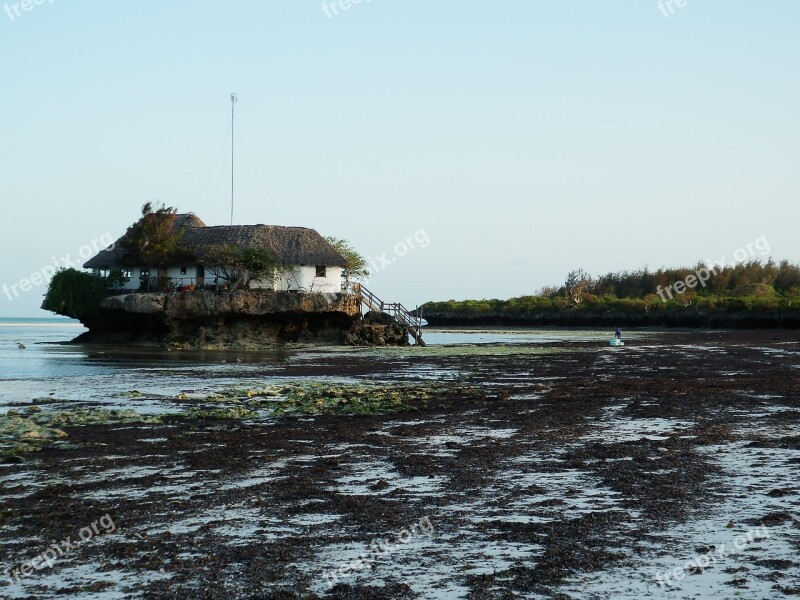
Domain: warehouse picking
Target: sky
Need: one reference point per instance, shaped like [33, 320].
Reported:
[468, 149]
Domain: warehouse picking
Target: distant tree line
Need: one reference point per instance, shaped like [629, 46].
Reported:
[748, 293]
[742, 279]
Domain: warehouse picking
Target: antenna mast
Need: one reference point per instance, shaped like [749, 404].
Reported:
[234, 100]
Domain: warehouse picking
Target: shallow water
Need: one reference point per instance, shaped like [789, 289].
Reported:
[48, 366]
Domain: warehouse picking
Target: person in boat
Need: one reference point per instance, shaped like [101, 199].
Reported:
[618, 333]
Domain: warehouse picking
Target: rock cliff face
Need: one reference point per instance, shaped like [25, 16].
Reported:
[246, 319]
[377, 329]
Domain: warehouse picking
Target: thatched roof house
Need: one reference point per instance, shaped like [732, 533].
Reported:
[313, 264]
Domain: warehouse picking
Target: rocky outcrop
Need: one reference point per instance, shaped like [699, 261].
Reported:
[377, 329]
[248, 319]
[182, 305]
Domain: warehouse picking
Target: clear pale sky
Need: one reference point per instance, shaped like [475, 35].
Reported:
[525, 139]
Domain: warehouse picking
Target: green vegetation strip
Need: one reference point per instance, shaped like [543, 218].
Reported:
[235, 412]
[321, 398]
[31, 428]
[704, 293]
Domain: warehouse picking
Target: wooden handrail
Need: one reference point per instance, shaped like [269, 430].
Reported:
[395, 310]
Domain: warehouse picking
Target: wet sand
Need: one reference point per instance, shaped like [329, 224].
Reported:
[580, 471]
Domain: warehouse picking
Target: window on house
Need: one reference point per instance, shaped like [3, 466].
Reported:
[183, 270]
[321, 271]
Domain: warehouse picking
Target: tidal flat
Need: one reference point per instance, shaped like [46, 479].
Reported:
[542, 466]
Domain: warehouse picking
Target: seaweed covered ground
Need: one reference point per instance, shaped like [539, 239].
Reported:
[669, 467]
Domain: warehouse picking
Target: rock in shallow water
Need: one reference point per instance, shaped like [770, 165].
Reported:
[377, 329]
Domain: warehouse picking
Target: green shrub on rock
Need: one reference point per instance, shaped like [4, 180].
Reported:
[75, 293]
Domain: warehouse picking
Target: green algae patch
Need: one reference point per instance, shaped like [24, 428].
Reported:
[364, 399]
[231, 392]
[20, 435]
[22, 432]
[308, 398]
[91, 416]
[320, 399]
[233, 412]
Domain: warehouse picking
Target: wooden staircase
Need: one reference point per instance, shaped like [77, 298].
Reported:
[397, 311]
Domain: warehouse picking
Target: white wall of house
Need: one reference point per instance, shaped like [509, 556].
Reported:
[174, 273]
[180, 278]
[133, 282]
[263, 284]
[304, 278]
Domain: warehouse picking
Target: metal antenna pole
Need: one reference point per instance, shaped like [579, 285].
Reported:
[234, 100]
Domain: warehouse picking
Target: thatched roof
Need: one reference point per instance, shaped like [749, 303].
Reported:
[289, 245]
[109, 258]
[186, 220]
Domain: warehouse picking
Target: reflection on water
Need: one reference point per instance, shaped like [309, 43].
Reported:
[47, 353]
[50, 366]
[436, 337]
